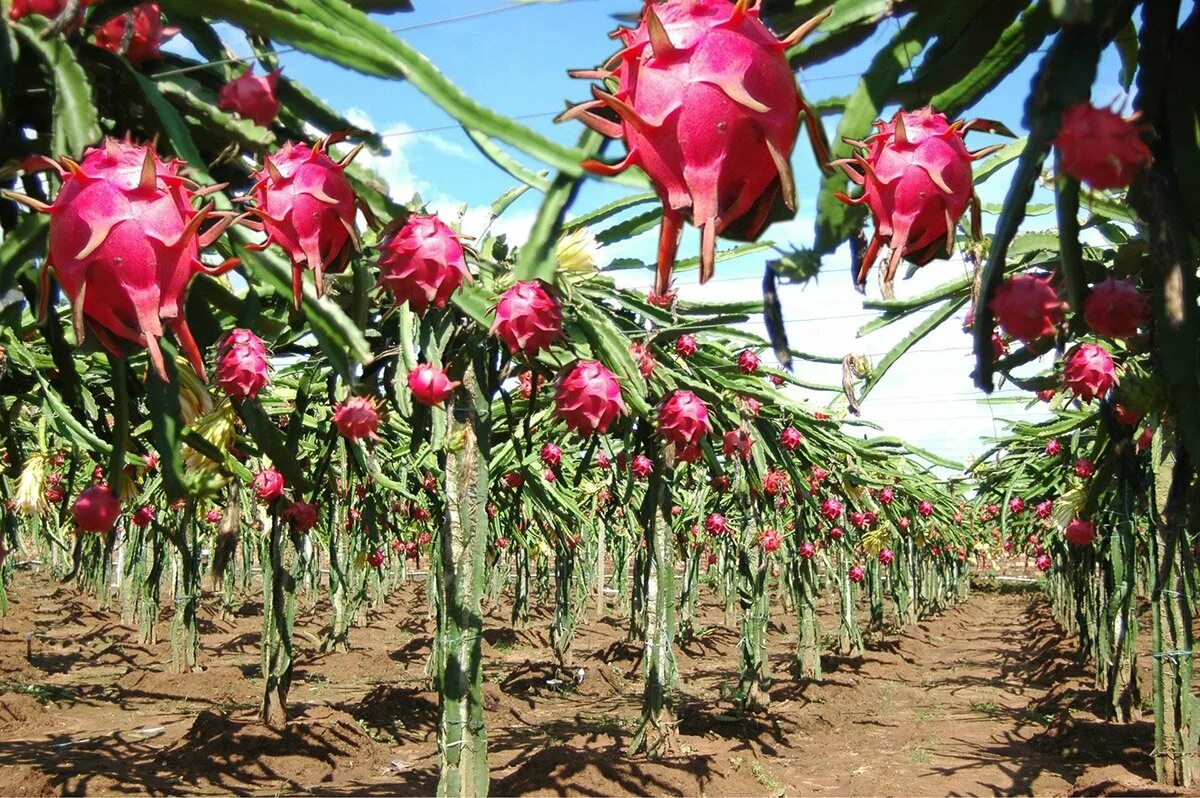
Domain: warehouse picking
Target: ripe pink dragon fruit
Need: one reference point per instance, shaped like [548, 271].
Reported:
[528, 318]
[1027, 307]
[124, 242]
[720, 483]
[1046, 395]
[685, 346]
[925, 509]
[831, 509]
[716, 525]
[430, 385]
[143, 516]
[55, 493]
[747, 362]
[243, 366]
[777, 380]
[1044, 509]
[916, 177]
[1053, 447]
[886, 496]
[642, 467]
[643, 355]
[737, 443]
[358, 418]
[1127, 416]
[683, 418]
[751, 407]
[886, 557]
[1084, 468]
[1016, 505]
[1080, 532]
[1089, 372]
[602, 462]
[375, 559]
[147, 37]
[1116, 308]
[856, 573]
[251, 97]
[301, 515]
[1042, 563]
[790, 438]
[775, 482]
[858, 519]
[307, 208]
[769, 541]
[213, 516]
[268, 485]
[549, 476]
[710, 110]
[1097, 147]
[95, 509]
[836, 533]
[1145, 439]
[423, 263]
[50, 9]
[588, 398]
[808, 551]
[904, 522]
[551, 454]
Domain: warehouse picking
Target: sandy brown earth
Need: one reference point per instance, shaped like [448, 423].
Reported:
[984, 699]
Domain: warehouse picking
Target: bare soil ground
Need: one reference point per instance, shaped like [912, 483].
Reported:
[984, 699]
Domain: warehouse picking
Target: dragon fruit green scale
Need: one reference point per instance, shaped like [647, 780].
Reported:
[710, 110]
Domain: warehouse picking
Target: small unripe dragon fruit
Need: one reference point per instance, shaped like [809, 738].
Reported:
[769, 540]
[243, 366]
[1046, 395]
[268, 485]
[528, 318]
[886, 496]
[1016, 505]
[685, 346]
[251, 97]
[710, 110]
[925, 509]
[642, 467]
[95, 509]
[1044, 509]
[858, 519]
[643, 355]
[737, 443]
[549, 476]
[807, 551]
[1116, 309]
[1084, 468]
[602, 462]
[856, 573]
[430, 385]
[588, 398]
[1027, 307]
[1089, 372]
[301, 515]
[551, 454]
[357, 418]
[124, 242]
[1053, 447]
[423, 263]
[886, 557]
[747, 362]
[143, 43]
[1099, 148]
[904, 522]
[831, 509]
[683, 418]
[716, 525]
[213, 516]
[751, 407]
[307, 207]
[1080, 532]
[916, 177]
[790, 438]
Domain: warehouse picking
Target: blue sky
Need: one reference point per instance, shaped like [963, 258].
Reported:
[515, 61]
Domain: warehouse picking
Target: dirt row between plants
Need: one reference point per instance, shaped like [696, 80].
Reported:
[984, 699]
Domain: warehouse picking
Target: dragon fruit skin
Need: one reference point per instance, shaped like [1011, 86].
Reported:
[716, 525]
[588, 398]
[307, 207]
[769, 541]
[430, 385]
[685, 346]
[737, 443]
[148, 34]
[358, 418]
[50, 9]
[1097, 147]
[423, 263]
[1080, 532]
[1089, 372]
[710, 110]
[683, 418]
[1116, 308]
[790, 438]
[302, 515]
[528, 318]
[642, 467]
[252, 97]
[268, 485]
[916, 177]
[747, 362]
[124, 243]
[95, 509]
[1027, 307]
[243, 366]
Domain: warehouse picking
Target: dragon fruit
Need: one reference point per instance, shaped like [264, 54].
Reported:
[307, 207]
[720, 483]
[95, 509]
[50, 9]
[1145, 439]
[1097, 147]
[750, 406]
[243, 367]
[790, 438]
[775, 482]
[54, 494]
[430, 385]
[143, 516]
[1089, 372]
[1080, 532]
[716, 525]
[807, 550]
[769, 541]
[375, 559]
[551, 454]
[1044, 509]
[856, 574]
[144, 42]
[588, 398]
[925, 509]
[643, 355]
[1116, 308]
[251, 97]
[213, 516]
[737, 443]
[602, 462]
[916, 177]
[301, 515]
[1042, 563]
[837, 533]
[528, 318]
[710, 110]
[685, 346]
[886, 496]
[904, 522]
[683, 418]
[858, 519]
[423, 263]
[1016, 505]
[358, 418]
[831, 509]
[549, 476]
[642, 467]
[267, 485]
[1046, 395]
[1127, 416]
[886, 557]
[747, 362]
[124, 242]
[1084, 468]
[1053, 447]
[1027, 307]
